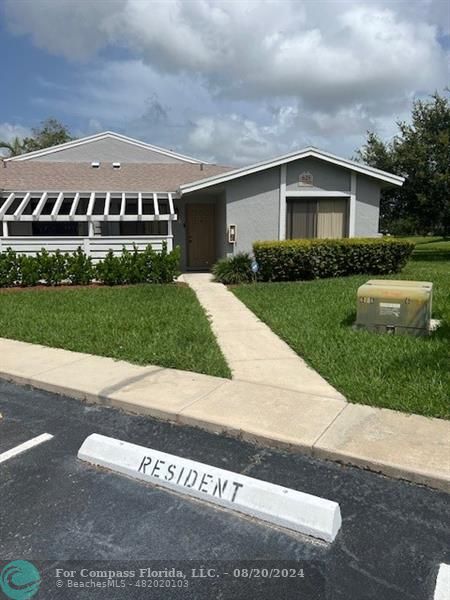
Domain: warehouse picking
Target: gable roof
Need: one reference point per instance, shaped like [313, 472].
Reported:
[97, 137]
[77, 177]
[286, 158]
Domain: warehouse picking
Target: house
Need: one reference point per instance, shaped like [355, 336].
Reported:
[108, 191]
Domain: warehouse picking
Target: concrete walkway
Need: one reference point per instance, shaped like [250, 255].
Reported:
[251, 349]
[405, 446]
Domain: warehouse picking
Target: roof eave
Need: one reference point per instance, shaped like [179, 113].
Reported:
[100, 136]
[307, 152]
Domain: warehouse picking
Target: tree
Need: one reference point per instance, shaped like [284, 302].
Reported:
[14, 147]
[420, 152]
[50, 133]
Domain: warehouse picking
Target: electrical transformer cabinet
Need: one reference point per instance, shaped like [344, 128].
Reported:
[395, 306]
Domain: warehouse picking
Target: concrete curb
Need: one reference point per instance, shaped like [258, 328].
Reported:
[404, 446]
[285, 507]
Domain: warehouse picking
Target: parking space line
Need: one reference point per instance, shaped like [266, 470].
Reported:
[442, 591]
[44, 437]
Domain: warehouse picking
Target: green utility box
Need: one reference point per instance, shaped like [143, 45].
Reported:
[395, 306]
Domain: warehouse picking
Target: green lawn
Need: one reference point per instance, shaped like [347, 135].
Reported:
[403, 373]
[145, 324]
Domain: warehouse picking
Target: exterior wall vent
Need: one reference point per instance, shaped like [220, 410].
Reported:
[95, 164]
[116, 165]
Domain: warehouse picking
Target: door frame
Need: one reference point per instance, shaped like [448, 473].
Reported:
[212, 207]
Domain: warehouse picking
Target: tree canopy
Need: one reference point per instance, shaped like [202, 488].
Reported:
[420, 152]
[50, 133]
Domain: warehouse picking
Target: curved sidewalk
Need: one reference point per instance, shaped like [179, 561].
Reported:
[405, 446]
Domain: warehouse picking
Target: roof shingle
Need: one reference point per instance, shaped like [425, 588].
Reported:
[131, 177]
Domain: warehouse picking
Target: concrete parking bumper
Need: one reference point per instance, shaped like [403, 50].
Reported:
[407, 446]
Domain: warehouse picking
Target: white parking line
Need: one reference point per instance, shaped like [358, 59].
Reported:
[442, 591]
[44, 437]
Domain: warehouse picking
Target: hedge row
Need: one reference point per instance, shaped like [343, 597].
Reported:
[148, 266]
[293, 260]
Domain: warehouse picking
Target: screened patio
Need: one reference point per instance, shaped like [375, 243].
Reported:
[94, 221]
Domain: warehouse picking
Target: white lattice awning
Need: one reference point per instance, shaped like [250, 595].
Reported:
[87, 206]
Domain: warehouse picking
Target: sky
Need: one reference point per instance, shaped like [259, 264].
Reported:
[228, 82]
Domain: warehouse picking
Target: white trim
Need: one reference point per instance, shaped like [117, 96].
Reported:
[5, 228]
[40, 205]
[287, 158]
[84, 218]
[171, 208]
[123, 205]
[282, 211]
[9, 200]
[155, 205]
[57, 205]
[107, 205]
[19, 210]
[170, 236]
[317, 193]
[73, 208]
[97, 246]
[87, 192]
[102, 136]
[90, 207]
[88, 214]
[44, 437]
[352, 207]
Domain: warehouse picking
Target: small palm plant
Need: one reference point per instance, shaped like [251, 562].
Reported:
[234, 270]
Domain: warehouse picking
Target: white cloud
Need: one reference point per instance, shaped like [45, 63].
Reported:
[238, 81]
[71, 28]
[343, 51]
[9, 131]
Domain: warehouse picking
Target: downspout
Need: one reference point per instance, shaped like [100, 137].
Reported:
[282, 207]
[352, 209]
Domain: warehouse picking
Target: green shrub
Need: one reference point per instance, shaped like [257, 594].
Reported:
[149, 266]
[130, 267]
[236, 269]
[161, 267]
[293, 260]
[9, 268]
[28, 271]
[52, 267]
[109, 270]
[79, 268]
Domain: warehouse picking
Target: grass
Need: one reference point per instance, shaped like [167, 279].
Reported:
[431, 248]
[144, 324]
[398, 372]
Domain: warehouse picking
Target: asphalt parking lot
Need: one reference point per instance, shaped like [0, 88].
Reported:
[61, 513]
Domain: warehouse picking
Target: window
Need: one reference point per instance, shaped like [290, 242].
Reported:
[317, 218]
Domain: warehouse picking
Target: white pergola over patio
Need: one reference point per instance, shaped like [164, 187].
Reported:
[92, 207]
